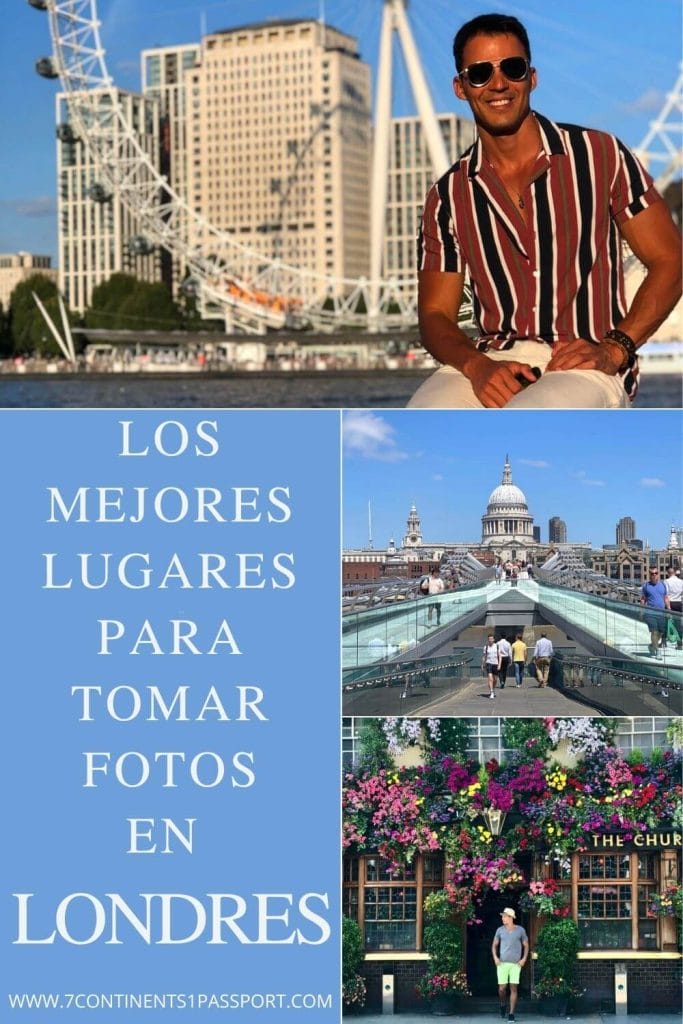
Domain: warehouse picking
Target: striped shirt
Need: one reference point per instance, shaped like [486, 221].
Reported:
[559, 276]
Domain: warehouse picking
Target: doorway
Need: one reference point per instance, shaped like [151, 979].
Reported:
[481, 970]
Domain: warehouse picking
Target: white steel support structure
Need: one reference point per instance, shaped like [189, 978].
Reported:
[394, 19]
[664, 141]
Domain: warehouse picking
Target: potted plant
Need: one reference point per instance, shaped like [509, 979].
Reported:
[353, 984]
[445, 978]
[545, 898]
[555, 973]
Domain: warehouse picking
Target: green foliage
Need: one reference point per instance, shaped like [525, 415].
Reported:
[30, 334]
[437, 906]
[528, 736]
[352, 948]
[557, 949]
[124, 303]
[372, 745]
[454, 736]
[674, 733]
[442, 937]
[443, 942]
[353, 985]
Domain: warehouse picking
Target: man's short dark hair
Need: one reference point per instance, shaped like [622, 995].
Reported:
[488, 25]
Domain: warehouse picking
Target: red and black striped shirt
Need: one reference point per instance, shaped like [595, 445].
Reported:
[558, 276]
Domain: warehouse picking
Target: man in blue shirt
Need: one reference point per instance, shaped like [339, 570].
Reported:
[653, 596]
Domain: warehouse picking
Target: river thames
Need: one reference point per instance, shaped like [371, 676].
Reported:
[259, 390]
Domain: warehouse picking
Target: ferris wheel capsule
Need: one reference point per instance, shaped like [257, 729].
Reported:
[46, 68]
[98, 193]
[140, 246]
[190, 287]
[65, 133]
[40, 5]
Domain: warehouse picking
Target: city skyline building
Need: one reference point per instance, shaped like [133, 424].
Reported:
[16, 267]
[625, 530]
[279, 151]
[557, 530]
[98, 235]
[163, 75]
[410, 175]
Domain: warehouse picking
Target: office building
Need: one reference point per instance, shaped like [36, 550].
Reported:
[626, 530]
[96, 231]
[410, 176]
[163, 71]
[279, 153]
[557, 530]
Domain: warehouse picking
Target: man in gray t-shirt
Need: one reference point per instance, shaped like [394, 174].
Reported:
[510, 949]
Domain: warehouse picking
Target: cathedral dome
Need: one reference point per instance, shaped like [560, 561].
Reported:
[507, 495]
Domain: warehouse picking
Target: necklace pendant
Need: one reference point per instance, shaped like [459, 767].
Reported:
[521, 203]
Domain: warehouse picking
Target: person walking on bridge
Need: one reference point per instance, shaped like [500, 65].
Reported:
[490, 663]
[436, 587]
[519, 653]
[543, 652]
[654, 598]
[505, 651]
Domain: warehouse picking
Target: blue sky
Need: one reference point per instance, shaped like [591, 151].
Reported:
[590, 468]
[595, 67]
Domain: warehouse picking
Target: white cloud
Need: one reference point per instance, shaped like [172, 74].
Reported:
[370, 437]
[652, 481]
[649, 102]
[535, 463]
[437, 477]
[31, 206]
[584, 479]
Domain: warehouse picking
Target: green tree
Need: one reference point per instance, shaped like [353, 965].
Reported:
[30, 334]
[372, 746]
[124, 303]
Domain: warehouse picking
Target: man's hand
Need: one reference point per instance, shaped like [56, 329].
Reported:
[584, 355]
[495, 382]
[496, 961]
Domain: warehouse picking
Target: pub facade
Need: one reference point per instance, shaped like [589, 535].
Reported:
[599, 832]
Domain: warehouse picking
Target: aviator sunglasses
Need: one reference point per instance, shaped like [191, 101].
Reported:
[515, 69]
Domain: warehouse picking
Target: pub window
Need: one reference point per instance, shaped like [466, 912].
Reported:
[388, 905]
[611, 895]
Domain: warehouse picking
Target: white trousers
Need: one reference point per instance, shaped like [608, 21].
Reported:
[447, 388]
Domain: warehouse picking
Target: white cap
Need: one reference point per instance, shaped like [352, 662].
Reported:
[509, 911]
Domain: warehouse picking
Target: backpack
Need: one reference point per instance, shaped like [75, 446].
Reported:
[424, 585]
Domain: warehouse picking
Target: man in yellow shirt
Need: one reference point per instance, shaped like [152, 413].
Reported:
[519, 652]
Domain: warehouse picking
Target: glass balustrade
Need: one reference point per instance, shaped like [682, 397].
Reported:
[391, 631]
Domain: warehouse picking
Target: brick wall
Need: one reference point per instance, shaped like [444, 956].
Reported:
[652, 984]
[406, 975]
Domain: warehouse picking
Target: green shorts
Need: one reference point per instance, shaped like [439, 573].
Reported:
[508, 973]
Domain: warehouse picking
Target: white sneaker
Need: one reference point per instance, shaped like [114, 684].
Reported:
[491, 696]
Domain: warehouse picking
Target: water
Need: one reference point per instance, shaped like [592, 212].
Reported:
[346, 390]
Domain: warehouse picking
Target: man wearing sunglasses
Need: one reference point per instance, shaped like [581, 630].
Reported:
[534, 213]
